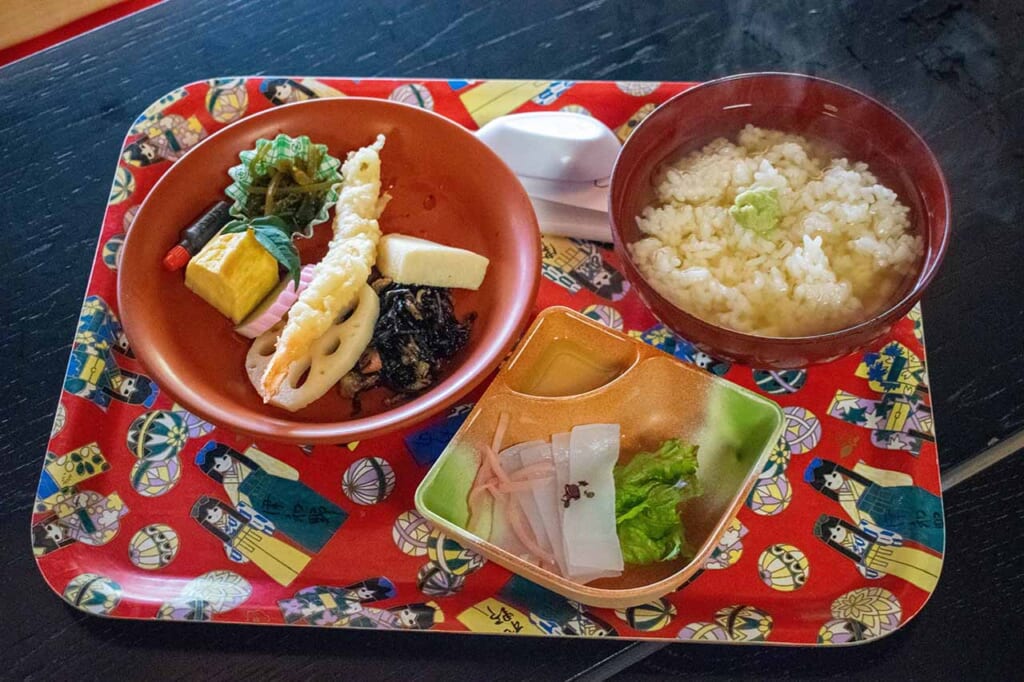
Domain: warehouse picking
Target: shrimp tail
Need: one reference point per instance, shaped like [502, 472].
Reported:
[276, 372]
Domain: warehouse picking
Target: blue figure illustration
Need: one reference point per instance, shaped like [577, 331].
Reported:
[273, 490]
[894, 369]
[325, 605]
[552, 613]
[896, 421]
[419, 616]
[93, 372]
[665, 340]
[98, 326]
[877, 554]
[427, 444]
[886, 499]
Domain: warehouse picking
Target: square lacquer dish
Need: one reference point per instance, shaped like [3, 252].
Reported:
[570, 370]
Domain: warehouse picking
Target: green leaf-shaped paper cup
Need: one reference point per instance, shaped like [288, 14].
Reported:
[280, 153]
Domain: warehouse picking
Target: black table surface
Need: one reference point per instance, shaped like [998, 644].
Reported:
[954, 70]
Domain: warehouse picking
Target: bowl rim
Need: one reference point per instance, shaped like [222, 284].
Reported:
[417, 409]
[867, 327]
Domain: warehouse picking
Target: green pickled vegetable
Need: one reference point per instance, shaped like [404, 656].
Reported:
[287, 192]
[757, 209]
[313, 162]
[288, 177]
[268, 201]
[257, 159]
[295, 189]
[648, 491]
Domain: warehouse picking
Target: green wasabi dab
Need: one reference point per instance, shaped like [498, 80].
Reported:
[757, 209]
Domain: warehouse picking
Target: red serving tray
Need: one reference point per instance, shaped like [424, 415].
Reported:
[112, 529]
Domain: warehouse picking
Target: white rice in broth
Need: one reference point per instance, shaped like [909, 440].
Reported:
[838, 255]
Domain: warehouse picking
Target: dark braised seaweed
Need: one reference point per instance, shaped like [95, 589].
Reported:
[415, 333]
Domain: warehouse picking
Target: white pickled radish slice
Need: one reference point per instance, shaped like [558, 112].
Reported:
[509, 457]
[547, 499]
[586, 577]
[501, 532]
[511, 462]
[590, 541]
[560, 453]
[275, 306]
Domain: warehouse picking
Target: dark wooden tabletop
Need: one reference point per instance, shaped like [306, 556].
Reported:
[954, 70]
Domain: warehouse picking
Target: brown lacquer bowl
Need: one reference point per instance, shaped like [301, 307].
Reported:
[446, 186]
[859, 126]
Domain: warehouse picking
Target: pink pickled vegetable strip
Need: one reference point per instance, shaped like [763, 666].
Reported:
[489, 465]
[522, 487]
[499, 432]
[484, 476]
[519, 486]
[504, 488]
[485, 472]
[477, 491]
[492, 459]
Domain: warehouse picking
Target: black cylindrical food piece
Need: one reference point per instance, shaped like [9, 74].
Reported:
[195, 236]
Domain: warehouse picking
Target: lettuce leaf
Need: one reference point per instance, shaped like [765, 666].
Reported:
[648, 490]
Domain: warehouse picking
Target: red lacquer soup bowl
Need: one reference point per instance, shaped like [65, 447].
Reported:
[857, 125]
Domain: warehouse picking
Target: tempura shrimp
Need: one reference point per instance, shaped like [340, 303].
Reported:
[338, 278]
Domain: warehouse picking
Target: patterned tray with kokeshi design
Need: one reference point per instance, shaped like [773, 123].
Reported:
[840, 541]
